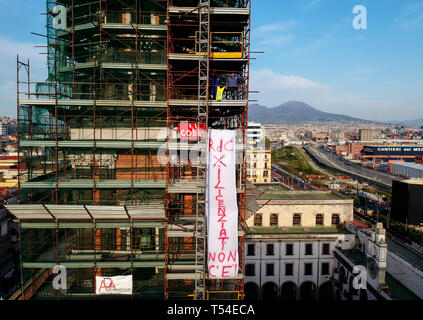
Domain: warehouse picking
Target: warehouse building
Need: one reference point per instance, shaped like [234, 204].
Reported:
[407, 201]
[407, 170]
[389, 153]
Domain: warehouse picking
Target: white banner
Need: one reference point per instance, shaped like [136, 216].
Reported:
[222, 207]
[113, 285]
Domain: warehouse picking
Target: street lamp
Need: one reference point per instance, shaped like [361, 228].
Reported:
[365, 199]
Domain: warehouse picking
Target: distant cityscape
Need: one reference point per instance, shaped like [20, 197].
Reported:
[375, 172]
[9, 253]
[139, 169]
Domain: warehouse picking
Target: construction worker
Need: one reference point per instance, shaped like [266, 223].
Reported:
[146, 48]
[220, 92]
[214, 83]
[232, 86]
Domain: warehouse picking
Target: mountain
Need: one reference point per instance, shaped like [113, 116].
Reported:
[412, 123]
[294, 112]
[416, 122]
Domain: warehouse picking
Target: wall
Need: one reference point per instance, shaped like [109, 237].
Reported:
[406, 273]
[308, 213]
[260, 259]
[344, 288]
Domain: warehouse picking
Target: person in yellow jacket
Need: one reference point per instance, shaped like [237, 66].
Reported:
[219, 94]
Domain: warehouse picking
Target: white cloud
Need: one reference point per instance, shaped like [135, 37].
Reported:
[311, 4]
[411, 16]
[274, 81]
[277, 26]
[276, 40]
[276, 89]
[274, 34]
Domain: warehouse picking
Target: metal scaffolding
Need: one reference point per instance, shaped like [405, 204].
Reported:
[123, 75]
[98, 115]
[92, 184]
[196, 49]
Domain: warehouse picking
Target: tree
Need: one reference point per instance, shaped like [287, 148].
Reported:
[267, 143]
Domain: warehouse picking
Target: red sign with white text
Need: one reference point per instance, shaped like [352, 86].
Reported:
[192, 131]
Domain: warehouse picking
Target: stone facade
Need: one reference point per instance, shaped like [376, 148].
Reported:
[259, 165]
[308, 210]
[294, 260]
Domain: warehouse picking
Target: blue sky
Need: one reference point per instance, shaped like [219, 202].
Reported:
[312, 54]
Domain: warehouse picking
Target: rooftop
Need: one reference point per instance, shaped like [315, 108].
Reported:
[269, 187]
[300, 195]
[296, 230]
[407, 254]
[418, 181]
[396, 289]
[408, 165]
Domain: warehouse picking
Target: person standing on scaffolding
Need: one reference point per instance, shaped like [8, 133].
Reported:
[214, 83]
[232, 88]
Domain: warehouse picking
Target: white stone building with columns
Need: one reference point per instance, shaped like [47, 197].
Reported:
[305, 245]
[291, 242]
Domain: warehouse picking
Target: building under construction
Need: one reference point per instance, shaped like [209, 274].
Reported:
[95, 195]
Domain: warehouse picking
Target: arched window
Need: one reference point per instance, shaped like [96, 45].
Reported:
[274, 219]
[258, 220]
[296, 219]
[251, 291]
[288, 291]
[269, 291]
[308, 291]
[319, 219]
[335, 219]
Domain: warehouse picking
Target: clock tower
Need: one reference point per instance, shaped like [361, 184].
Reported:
[376, 256]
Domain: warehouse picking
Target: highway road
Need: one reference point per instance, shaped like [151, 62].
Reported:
[331, 160]
[295, 181]
[349, 166]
